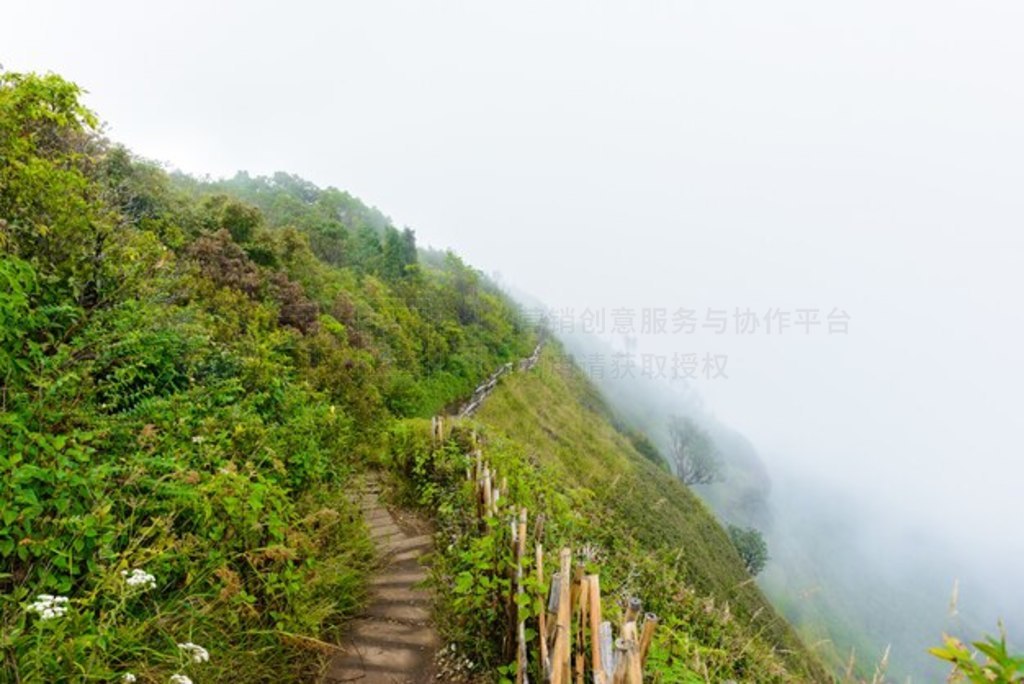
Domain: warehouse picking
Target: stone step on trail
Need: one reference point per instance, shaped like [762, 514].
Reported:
[394, 641]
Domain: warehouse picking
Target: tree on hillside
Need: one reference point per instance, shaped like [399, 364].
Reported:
[695, 456]
[751, 546]
[51, 211]
[239, 219]
[398, 253]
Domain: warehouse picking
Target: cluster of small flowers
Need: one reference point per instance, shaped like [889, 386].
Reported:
[139, 578]
[49, 606]
[453, 664]
[128, 678]
[590, 552]
[180, 679]
[197, 653]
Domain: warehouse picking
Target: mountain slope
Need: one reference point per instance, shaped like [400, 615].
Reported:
[194, 371]
[649, 535]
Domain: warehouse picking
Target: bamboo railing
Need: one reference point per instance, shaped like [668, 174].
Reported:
[488, 385]
[572, 638]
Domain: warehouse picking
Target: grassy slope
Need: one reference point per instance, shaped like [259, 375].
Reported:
[556, 418]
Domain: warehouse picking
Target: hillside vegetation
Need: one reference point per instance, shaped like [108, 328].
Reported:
[190, 374]
[549, 433]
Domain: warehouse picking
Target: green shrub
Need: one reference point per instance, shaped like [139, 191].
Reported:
[999, 666]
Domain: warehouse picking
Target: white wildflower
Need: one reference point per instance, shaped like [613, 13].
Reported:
[180, 679]
[139, 578]
[198, 439]
[590, 552]
[128, 678]
[48, 606]
[197, 653]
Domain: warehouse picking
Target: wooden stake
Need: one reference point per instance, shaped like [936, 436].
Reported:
[481, 511]
[538, 529]
[576, 593]
[594, 589]
[635, 672]
[577, 585]
[627, 667]
[487, 491]
[581, 646]
[560, 672]
[607, 654]
[492, 509]
[554, 593]
[646, 635]
[520, 591]
[542, 622]
[632, 610]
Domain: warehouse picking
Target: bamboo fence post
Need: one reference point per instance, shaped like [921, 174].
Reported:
[495, 493]
[520, 591]
[480, 512]
[625, 648]
[581, 645]
[607, 654]
[594, 599]
[542, 625]
[553, 598]
[632, 610]
[634, 671]
[576, 593]
[560, 672]
[627, 669]
[554, 594]
[487, 491]
[577, 587]
[647, 635]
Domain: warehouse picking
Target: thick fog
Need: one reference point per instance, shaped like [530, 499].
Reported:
[858, 157]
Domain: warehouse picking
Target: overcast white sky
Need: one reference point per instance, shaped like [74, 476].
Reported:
[860, 155]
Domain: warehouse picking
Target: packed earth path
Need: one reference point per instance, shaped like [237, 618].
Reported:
[394, 641]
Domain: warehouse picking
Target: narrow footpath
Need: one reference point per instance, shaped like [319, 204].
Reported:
[394, 641]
